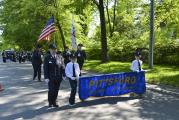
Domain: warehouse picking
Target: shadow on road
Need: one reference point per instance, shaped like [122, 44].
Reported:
[32, 113]
[21, 92]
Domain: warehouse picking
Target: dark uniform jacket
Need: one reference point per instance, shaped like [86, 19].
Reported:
[4, 54]
[53, 72]
[66, 56]
[81, 56]
[36, 57]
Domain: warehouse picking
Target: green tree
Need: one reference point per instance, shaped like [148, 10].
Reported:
[100, 7]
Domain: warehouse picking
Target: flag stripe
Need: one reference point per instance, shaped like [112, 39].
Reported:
[46, 31]
[47, 34]
[48, 27]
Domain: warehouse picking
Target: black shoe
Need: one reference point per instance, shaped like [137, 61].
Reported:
[55, 105]
[40, 80]
[50, 105]
[72, 104]
[34, 78]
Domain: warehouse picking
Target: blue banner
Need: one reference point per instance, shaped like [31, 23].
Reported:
[112, 84]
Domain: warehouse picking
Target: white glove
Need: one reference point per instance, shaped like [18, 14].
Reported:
[73, 78]
[46, 80]
[64, 78]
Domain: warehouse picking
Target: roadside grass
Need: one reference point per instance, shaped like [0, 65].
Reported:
[160, 74]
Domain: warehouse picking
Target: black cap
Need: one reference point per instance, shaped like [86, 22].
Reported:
[52, 46]
[73, 56]
[59, 52]
[137, 54]
[66, 47]
[38, 46]
[80, 45]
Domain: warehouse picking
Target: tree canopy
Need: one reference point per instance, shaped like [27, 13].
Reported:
[114, 25]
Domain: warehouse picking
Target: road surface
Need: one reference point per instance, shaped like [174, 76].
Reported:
[25, 99]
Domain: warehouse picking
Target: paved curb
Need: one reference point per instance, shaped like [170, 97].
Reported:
[163, 89]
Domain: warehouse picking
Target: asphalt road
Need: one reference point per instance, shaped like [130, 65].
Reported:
[25, 99]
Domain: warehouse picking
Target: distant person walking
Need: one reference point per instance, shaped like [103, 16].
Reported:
[20, 56]
[66, 55]
[14, 56]
[53, 73]
[37, 62]
[4, 56]
[81, 56]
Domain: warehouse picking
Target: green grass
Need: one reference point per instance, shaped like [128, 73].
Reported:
[161, 74]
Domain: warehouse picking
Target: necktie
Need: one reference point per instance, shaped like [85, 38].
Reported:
[74, 75]
[139, 65]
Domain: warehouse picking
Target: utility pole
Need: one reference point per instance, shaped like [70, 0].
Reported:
[151, 42]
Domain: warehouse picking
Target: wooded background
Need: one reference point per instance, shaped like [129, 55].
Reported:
[109, 29]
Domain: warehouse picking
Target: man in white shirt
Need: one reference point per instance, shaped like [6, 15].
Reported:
[136, 64]
[72, 72]
[136, 67]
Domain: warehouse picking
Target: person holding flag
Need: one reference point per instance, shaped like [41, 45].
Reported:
[80, 54]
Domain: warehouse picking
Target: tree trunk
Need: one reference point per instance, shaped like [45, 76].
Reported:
[103, 32]
[114, 14]
[61, 33]
[109, 20]
[59, 25]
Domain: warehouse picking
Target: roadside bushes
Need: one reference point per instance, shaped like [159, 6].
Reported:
[164, 53]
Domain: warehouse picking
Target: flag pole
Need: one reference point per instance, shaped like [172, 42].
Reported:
[73, 34]
[54, 42]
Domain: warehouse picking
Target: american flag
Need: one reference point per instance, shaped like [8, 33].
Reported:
[73, 36]
[48, 29]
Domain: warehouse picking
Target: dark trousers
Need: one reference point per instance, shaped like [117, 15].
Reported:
[52, 97]
[4, 59]
[37, 70]
[53, 91]
[73, 84]
[80, 65]
[20, 59]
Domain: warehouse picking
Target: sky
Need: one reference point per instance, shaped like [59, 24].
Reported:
[96, 21]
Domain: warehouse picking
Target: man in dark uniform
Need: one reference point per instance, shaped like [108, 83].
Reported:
[81, 56]
[66, 55]
[20, 56]
[4, 56]
[53, 72]
[37, 62]
[138, 52]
